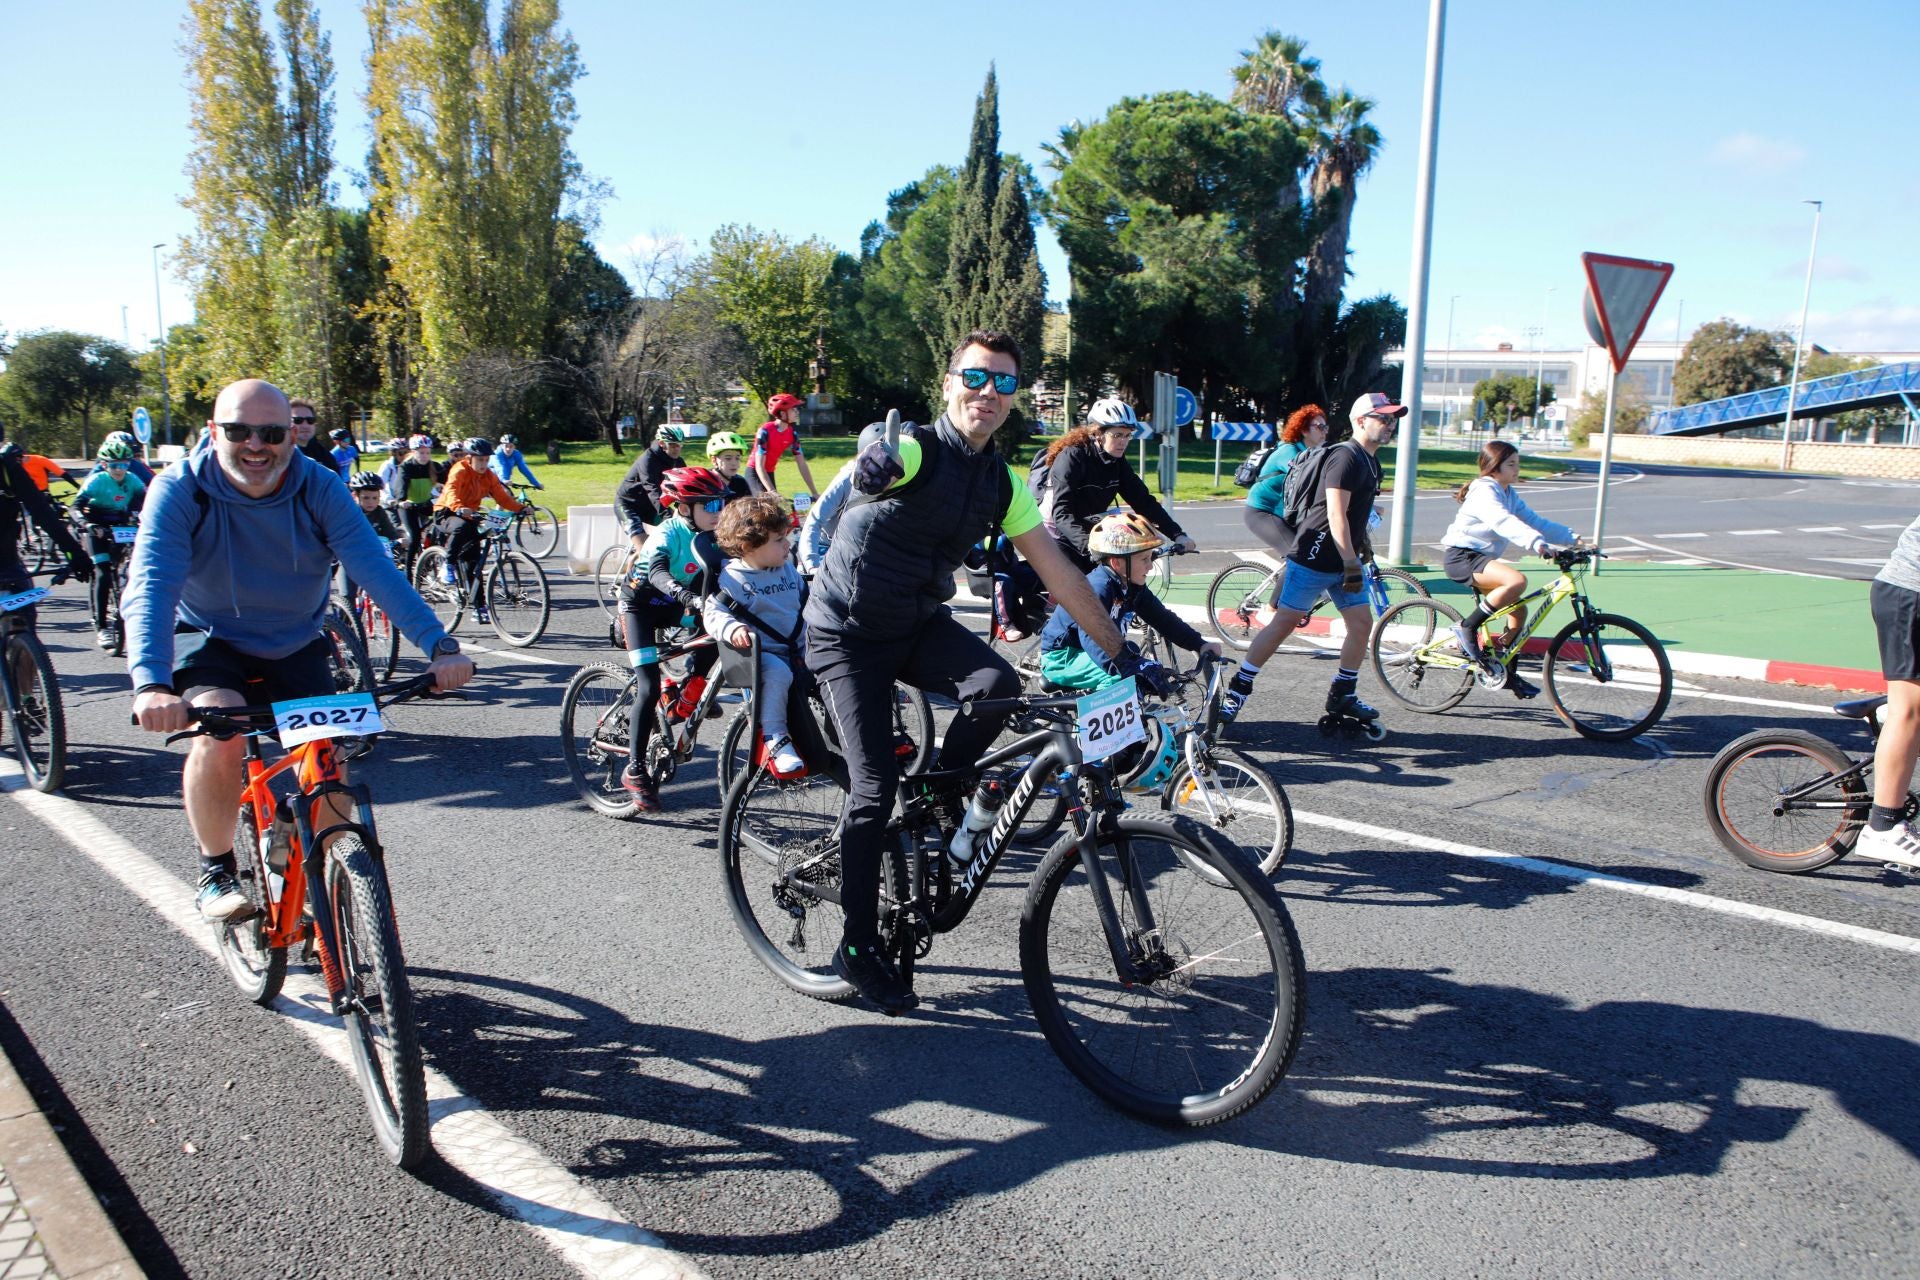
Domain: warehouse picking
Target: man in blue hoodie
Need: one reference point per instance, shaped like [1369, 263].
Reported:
[226, 595]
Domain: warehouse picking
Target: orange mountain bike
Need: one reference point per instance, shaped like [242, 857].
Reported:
[339, 907]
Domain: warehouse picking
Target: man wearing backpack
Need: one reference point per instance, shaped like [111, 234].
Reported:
[1332, 492]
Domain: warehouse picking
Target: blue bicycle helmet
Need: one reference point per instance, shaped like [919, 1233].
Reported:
[1159, 754]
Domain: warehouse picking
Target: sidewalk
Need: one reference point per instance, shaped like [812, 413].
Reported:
[51, 1226]
[1736, 623]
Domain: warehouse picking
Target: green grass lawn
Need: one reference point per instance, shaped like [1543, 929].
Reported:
[588, 473]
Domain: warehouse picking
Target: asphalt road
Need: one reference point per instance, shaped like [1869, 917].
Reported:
[1831, 527]
[1510, 1068]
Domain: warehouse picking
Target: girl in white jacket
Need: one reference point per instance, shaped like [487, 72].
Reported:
[1491, 519]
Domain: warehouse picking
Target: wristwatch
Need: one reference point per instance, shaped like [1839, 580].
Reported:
[446, 648]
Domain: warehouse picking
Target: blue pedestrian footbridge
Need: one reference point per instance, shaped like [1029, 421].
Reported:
[1879, 387]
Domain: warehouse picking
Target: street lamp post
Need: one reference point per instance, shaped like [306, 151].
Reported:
[1793, 382]
[166, 398]
[1446, 406]
[1540, 368]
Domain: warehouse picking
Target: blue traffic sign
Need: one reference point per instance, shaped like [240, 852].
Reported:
[1242, 431]
[142, 425]
[1186, 406]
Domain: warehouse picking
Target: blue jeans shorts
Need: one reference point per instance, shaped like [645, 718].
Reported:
[1302, 588]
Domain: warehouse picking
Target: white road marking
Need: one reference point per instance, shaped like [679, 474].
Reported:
[1754, 533]
[585, 1230]
[1883, 526]
[1823, 528]
[1620, 884]
[1668, 537]
[516, 655]
[1737, 564]
[1865, 562]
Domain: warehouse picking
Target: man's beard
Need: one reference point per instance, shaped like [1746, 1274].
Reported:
[239, 476]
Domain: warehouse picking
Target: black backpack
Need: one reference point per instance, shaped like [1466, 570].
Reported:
[1303, 483]
[1249, 471]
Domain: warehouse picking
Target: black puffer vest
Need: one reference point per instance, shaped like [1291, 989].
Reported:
[892, 559]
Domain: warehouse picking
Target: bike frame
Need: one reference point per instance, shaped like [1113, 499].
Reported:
[1564, 587]
[715, 684]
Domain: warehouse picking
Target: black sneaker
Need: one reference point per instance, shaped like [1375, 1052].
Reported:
[1239, 689]
[862, 965]
[1521, 688]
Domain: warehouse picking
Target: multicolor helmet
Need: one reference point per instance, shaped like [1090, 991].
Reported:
[112, 450]
[420, 442]
[692, 484]
[670, 434]
[124, 437]
[1121, 534]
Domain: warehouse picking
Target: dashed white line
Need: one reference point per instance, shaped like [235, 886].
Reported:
[1822, 528]
[1883, 526]
[585, 1230]
[1754, 533]
[1668, 537]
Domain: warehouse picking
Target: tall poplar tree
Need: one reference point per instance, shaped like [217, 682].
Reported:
[472, 164]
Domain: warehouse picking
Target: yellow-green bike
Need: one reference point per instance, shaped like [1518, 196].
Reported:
[1607, 676]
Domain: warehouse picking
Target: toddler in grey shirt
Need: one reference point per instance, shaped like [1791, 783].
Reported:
[760, 591]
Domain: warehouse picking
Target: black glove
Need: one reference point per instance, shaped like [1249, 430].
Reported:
[876, 468]
[1151, 676]
[1351, 578]
[80, 566]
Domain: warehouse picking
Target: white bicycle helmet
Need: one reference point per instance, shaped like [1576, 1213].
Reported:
[1112, 412]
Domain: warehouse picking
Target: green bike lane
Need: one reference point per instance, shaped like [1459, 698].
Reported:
[1743, 623]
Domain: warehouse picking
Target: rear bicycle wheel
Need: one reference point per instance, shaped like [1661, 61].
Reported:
[1023, 655]
[595, 736]
[1415, 659]
[608, 572]
[259, 970]
[1236, 798]
[1239, 603]
[1401, 585]
[1215, 1022]
[1750, 817]
[780, 862]
[383, 638]
[444, 598]
[35, 717]
[352, 672]
[379, 1015]
[537, 532]
[1609, 679]
[518, 602]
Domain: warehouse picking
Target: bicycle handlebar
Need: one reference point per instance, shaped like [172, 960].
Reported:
[1574, 557]
[228, 722]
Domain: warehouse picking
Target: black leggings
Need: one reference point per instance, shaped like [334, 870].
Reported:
[461, 537]
[106, 553]
[856, 678]
[417, 518]
[643, 615]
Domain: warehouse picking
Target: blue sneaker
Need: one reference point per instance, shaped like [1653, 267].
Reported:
[220, 898]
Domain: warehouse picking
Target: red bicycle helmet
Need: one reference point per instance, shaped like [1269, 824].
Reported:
[692, 484]
[780, 403]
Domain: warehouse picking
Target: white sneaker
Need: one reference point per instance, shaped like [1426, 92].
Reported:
[786, 761]
[1898, 843]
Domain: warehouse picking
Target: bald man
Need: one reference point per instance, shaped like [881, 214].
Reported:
[226, 596]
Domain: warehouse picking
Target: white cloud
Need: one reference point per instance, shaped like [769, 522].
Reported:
[1872, 326]
[1757, 155]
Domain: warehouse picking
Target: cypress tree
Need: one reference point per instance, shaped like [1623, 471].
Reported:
[969, 247]
[1016, 290]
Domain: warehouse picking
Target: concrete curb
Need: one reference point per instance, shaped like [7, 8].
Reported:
[78, 1238]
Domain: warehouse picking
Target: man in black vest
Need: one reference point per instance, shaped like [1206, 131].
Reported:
[878, 614]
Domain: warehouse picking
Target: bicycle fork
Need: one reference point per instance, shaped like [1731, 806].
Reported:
[341, 1000]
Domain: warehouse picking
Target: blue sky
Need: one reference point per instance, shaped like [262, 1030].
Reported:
[1670, 131]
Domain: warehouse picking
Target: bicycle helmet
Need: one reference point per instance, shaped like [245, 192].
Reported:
[1158, 755]
[781, 402]
[124, 437]
[479, 446]
[670, 434]
[1112, 412]
[364, 480]
[510, 440]
[1121, 534]
[420, 442]
[112, 450]
[724, 442]
[397, 445]
[692, 484]
[341, 434]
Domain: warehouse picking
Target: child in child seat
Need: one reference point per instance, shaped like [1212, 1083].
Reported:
[761, 591]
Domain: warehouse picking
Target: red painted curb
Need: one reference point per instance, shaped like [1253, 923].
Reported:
[1851, 679]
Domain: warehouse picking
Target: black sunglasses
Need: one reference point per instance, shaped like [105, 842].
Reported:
[974, 379]
[298, 418]
[237, 432]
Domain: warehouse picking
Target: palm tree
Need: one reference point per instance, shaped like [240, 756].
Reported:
[1344, 147]
[1276, 78]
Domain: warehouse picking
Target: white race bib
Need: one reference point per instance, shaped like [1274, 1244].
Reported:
[339, 715]
[497, 520]
[124, 533]
[1109, 719]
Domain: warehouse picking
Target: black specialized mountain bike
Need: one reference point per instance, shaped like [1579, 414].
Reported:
[1175, 995]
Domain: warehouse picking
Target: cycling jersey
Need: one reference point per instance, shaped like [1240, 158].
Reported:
[344, 456]
[770, 443]
[41, 470]
[675, 559]
[504, 461]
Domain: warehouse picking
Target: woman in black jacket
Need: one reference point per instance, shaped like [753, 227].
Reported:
[1084, 473]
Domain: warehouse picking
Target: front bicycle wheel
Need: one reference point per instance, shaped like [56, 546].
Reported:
[1753, 820]
[537, 532]
[259, 970]
[1209, 1026]
[608, 572]
[1240, 603]
[1237, 798]
[780, 859]
[352, 672]
[379, 1001]
[444, 598]
[595, 736]
[1608, 677]
[1417, 659]
[35, 716]
[383, 638]
[117, 622]
[517, 599]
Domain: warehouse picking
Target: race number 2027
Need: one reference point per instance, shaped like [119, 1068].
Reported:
[340, 715]
[1109, 719]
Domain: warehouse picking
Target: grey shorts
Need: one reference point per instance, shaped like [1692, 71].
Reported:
[1461, 563]
[1896, 623]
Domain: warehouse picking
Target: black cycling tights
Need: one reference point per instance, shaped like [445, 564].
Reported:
[643, 616]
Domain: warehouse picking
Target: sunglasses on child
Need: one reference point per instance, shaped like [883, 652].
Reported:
[974, 379]
[714, 506]
[238, 432]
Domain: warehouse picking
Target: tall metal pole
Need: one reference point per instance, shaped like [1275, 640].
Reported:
[1407, 460]
[1446, 406]
[1540, 366]
[1793, 382]
[166, 398]
[1606, 465]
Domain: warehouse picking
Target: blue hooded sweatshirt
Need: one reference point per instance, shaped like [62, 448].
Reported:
[253, 572]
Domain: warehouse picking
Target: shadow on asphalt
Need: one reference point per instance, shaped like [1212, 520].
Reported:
[834, 1137]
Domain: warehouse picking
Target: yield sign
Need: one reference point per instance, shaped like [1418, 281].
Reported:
[1621, 293]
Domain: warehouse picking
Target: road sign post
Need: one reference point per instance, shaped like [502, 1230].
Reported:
[1258, 432]
[1164, 412]
[1621, 296]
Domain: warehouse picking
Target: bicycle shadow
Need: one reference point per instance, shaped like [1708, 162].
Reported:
[840, 1133]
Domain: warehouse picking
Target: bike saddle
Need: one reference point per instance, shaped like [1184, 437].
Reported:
[1859, 708]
